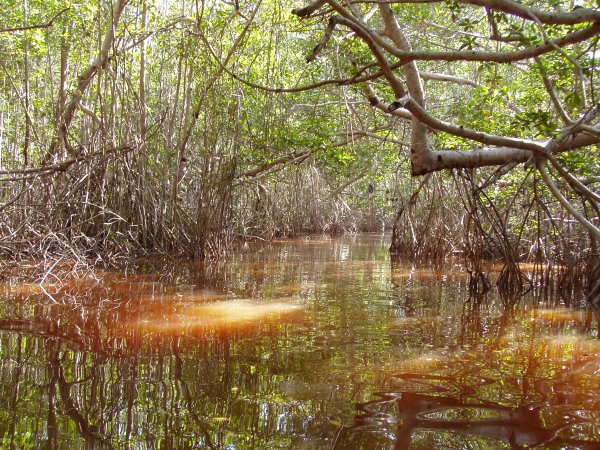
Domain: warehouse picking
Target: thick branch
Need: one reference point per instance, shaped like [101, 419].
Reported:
[393, 80]
[506, 149]
[420, 146]
[309, 10]
[578, 15]
[471, 55]
[478, 136]
[375, 101]
[499, 57]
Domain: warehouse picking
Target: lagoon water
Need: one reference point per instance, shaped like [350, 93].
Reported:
[316, 343]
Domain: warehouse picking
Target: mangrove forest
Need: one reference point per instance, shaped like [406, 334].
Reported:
[299, 224]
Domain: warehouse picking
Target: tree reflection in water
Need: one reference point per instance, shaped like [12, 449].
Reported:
[328, 349]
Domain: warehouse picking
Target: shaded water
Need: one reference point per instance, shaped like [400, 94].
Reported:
[315, 343]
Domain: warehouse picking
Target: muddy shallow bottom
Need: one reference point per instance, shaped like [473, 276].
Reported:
[318, 343]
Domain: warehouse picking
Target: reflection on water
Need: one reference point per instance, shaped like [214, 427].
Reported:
[315, 343]
[185, 318]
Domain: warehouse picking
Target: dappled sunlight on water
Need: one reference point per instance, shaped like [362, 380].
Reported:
[317, 343]
[188, 318]
[559, 315]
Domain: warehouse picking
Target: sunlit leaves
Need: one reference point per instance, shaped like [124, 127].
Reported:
[538, 123]
[582, 163]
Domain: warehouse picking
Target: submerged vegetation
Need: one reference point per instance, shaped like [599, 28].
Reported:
[142, 126]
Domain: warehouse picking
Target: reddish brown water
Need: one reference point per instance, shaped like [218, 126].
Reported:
[314, 344]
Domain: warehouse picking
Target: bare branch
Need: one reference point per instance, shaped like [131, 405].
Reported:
[576, 184]
[447, 78]
[375, 101]
[595, 231]
[337, 191]
[292, 158]
[499, 173]
[356, 135]
[44, 170]
[355, 79]
[35, 27]
[552, 94]
[321, 45]
[504, 151]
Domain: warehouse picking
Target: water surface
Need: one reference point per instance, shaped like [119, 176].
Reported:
[316, 343]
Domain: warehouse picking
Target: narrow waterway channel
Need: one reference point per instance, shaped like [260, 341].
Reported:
[316, 343]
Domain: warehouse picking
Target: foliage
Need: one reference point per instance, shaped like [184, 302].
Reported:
[204, 123]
